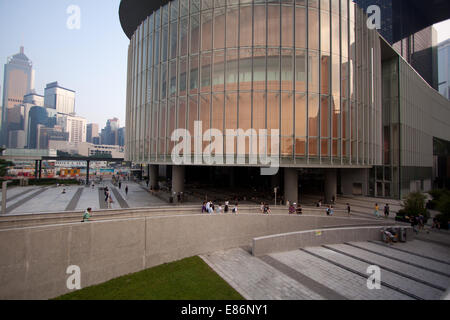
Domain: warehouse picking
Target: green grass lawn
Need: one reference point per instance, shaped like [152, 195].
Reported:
[188, 279]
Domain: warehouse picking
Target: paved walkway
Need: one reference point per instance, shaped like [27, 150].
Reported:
[409, 271]
[27, 200]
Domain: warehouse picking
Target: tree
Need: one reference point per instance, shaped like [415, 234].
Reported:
[414, 205]
[4, 164]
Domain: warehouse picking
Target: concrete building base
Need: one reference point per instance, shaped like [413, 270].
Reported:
[330, 185]
[153, 174]
[178, 173]
[291, 185]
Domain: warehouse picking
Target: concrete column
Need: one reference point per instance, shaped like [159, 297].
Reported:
[291, 185]
[330, 184]
[153, 174]
[178, 178]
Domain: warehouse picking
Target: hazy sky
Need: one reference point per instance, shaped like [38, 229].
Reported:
[92, 60]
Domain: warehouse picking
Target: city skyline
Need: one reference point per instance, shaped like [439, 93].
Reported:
[89, 60]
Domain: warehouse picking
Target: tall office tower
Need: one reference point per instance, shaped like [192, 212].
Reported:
[59, 98]
[18, 81]
[74, 125]
[92, 132]
[39, 116]
[122, 137]
[110, 134]
[420, 51]
[444, 68]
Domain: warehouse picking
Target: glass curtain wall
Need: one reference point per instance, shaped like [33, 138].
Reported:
[305, 67]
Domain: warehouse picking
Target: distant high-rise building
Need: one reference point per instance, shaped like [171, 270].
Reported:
[74, 125]
[92, 132]
[420, 51]
[45, 135]
[18, 81]
[39, 116]
[444, 68]
[110, 134]
[122, 136]
[34, 99]
[59, 98]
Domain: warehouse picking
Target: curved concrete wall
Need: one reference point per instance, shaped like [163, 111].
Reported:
[295, 240]
[34, 260]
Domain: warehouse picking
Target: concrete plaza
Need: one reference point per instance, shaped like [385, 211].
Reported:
[45, 199]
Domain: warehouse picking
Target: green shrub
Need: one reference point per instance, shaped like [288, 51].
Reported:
[437, 195]
[414, 205]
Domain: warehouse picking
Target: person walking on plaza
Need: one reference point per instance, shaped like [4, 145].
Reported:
[414, 222]
[126, 190]
[261, 208]
[349, 209]
[377, 213]
[87, 215]
[110, 202]
[331, 211]
[328, 210]
[227, 206]
[235, 209]
[386, 211]
[299, 209]
[120, 184]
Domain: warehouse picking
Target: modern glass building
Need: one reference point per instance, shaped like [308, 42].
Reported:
[308, 68]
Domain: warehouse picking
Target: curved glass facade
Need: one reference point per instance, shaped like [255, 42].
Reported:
[305, 67]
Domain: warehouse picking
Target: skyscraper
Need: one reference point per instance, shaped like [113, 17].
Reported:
[18, 81]
[420, 50]
[59, 98]
[92, 132]
[444, 68]
[110, 134]
[74, 125]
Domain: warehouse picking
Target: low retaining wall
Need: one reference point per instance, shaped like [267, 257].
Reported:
[311, 238]
[28, 220]
[34, 260]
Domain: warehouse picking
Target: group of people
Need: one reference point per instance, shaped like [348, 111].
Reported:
[418, 223]
[211, 208]
[295, 208]
[386, 211]
[265, 209]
